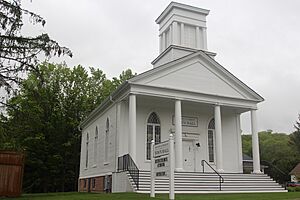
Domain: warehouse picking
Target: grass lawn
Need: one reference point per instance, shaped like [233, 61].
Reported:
[135, 196]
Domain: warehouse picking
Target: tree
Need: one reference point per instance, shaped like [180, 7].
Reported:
[295, 136]
[19, 53]
[275, 151]
[42, 119]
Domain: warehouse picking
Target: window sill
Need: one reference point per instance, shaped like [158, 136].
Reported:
[94, 166]
[106, 163]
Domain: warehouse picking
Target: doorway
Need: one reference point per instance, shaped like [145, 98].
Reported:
[188, 155]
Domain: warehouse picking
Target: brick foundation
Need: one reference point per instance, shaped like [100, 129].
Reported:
[94, 184]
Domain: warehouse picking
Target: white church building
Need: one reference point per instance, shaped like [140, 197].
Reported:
[187, 93]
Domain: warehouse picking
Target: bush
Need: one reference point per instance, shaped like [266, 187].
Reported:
[293, 189]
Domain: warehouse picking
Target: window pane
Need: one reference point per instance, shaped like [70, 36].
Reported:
[211, 146]
[107, 125]
[211, 124]
[153, 119]
[148, 151]
[149, 133]
[157, 134]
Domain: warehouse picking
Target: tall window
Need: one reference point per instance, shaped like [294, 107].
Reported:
[153, 131]
[87, 151]
[106, 140]
[96, 146]
[211, 146]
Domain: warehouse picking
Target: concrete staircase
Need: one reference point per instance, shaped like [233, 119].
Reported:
[197, 182]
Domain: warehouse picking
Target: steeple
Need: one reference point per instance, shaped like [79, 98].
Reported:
[181, 27]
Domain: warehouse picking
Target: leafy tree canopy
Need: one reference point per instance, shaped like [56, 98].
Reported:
[295, 136]
[276, 151]
[19, 53]
[43, 120]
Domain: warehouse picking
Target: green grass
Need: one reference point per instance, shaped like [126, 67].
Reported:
[135, 196]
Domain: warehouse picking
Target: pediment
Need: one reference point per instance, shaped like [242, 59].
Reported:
[197, 73]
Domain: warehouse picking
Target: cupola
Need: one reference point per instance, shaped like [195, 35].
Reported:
[182, 30]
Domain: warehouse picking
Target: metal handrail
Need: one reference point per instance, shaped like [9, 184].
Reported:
[126, 163]
[221, 179]
[277, 169]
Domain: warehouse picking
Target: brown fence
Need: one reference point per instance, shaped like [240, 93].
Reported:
[11, 173]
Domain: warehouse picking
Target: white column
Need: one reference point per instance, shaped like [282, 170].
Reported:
[255, 144]
[163, 43]
[204, 38]
[239, 142]
[178, 137]
[160, 44]
[170, 36]
[182, 34]
[175, 33]
[218, 130]
[198, 38]
[132, 126]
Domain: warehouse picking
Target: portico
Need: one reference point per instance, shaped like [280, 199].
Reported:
[214, 110]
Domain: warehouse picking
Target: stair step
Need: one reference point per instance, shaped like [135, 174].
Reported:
[198, 182]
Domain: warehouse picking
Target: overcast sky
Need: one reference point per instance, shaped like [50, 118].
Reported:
[257, 40]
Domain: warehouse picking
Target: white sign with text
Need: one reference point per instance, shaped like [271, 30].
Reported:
[161, 159]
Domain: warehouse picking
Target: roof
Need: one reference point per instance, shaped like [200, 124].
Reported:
[296, 170]
[125, 86]
[181, 6]
[204, 55]
[106, 103]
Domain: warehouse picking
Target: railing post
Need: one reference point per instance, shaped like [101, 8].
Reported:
[171, 168]
[152, 192]
[138, 179]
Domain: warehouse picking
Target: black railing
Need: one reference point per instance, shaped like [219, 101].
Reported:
[281, 177]
[221, 179]
[125, 163]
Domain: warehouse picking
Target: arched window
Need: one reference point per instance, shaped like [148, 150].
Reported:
[96, 146]
[153, 131]
[210, 137]
[87, 151]
[106, 140]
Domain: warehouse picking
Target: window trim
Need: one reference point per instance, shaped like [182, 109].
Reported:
[153, 132]
[87, 151]
[106, 141]
[214, 140]
[94, 183]
[96, 138]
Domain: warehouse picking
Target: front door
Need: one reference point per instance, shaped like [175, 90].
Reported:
[188, 155]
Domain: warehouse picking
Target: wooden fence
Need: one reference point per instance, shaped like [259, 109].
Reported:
[11, 173]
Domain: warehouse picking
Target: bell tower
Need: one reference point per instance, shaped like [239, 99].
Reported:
[182, 30]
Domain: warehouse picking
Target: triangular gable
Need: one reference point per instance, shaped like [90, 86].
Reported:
[296, 170]
[197, 73]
